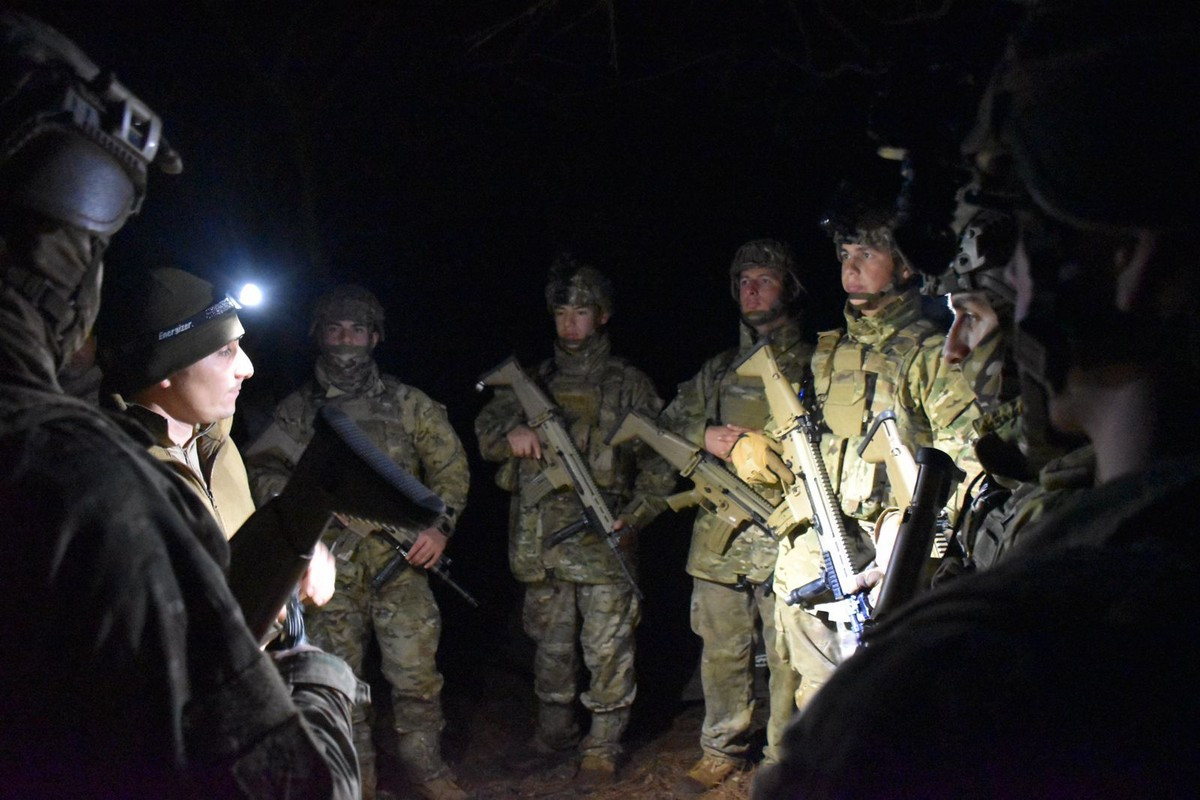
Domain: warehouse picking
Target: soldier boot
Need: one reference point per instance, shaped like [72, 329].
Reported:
[604, 738]
[596, 772]
[557, 728]
[420, 755]
[707, 773]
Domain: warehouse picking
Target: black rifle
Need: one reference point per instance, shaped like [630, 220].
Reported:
[341, 471]
[936, 477]
[394, 537]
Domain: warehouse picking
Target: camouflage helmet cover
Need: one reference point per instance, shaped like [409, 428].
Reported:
[571, 283]
[348, 301]
[769, 254]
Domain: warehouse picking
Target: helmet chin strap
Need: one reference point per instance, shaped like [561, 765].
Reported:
[877, 300]
[756, 318]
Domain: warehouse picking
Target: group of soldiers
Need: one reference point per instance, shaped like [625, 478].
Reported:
[1040, 658]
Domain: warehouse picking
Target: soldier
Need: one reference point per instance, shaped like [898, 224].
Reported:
[181, 382]
[129, 671]
[1057, 672]
[402, 615]
[888, 357]
[1026, 471]
[730, 596]
[576, 594]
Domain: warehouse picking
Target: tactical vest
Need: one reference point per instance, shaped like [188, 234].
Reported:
[853, 383]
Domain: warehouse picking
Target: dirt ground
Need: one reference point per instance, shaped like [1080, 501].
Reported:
[489, 709]
[488, 698]
[657, 757]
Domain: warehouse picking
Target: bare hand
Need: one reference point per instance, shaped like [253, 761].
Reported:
[628, 539]
[719, 439]
[524, 442]
[316, 585]
[427, 549]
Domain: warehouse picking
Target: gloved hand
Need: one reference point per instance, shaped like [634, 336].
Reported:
[757, 461]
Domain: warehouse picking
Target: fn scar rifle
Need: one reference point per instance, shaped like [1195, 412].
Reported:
[801, 439]
[563, 466]
[714, 488]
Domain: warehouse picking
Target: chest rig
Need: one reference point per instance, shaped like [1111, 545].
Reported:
[854, 382]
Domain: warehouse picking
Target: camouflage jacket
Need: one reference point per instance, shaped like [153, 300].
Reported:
[593, 389]
[399, 419]
[716, 396]
[889, 361]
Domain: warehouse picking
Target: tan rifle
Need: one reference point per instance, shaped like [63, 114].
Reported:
[562, 465]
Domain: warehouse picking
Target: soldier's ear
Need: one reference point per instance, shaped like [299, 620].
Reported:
[1134, 262]
[374, 339]
[602, 320]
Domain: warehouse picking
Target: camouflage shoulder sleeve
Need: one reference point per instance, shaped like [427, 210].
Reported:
[948, 402]
[271, 458]
[443, 459]
[655, 477]
[499, 416]
[688, 414]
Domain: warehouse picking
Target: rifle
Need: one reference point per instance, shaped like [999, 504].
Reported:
[902, 471]
[396, 538]
[801, 439]
[935, 480]
[339, 471]
[714, 488]
[563, 466]
[898, 460]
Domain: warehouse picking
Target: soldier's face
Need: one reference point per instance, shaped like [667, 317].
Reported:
[348, 332]
[866, 270]
[574, 324]
[208, 390]
[974, 321]
[759, 289]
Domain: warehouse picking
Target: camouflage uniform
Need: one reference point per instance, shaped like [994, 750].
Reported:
[892, 360]
[728, 594]
[415, 432]
[575, 591]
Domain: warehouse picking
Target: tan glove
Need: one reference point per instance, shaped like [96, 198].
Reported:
[757, 461]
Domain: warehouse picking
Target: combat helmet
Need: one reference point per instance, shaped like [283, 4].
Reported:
[767, 254]
[1090, 120]
[75, 147]
[571, 283]
[347, 301]
[985, 247]
[75, 144]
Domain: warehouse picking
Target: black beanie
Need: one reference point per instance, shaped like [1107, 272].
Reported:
[166, 322]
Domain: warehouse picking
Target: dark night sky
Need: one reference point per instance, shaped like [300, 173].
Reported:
[440, 152]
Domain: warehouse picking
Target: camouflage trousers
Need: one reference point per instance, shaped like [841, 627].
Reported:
[726, 619]
[810, 647]
[602, 619]
[403, 618]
